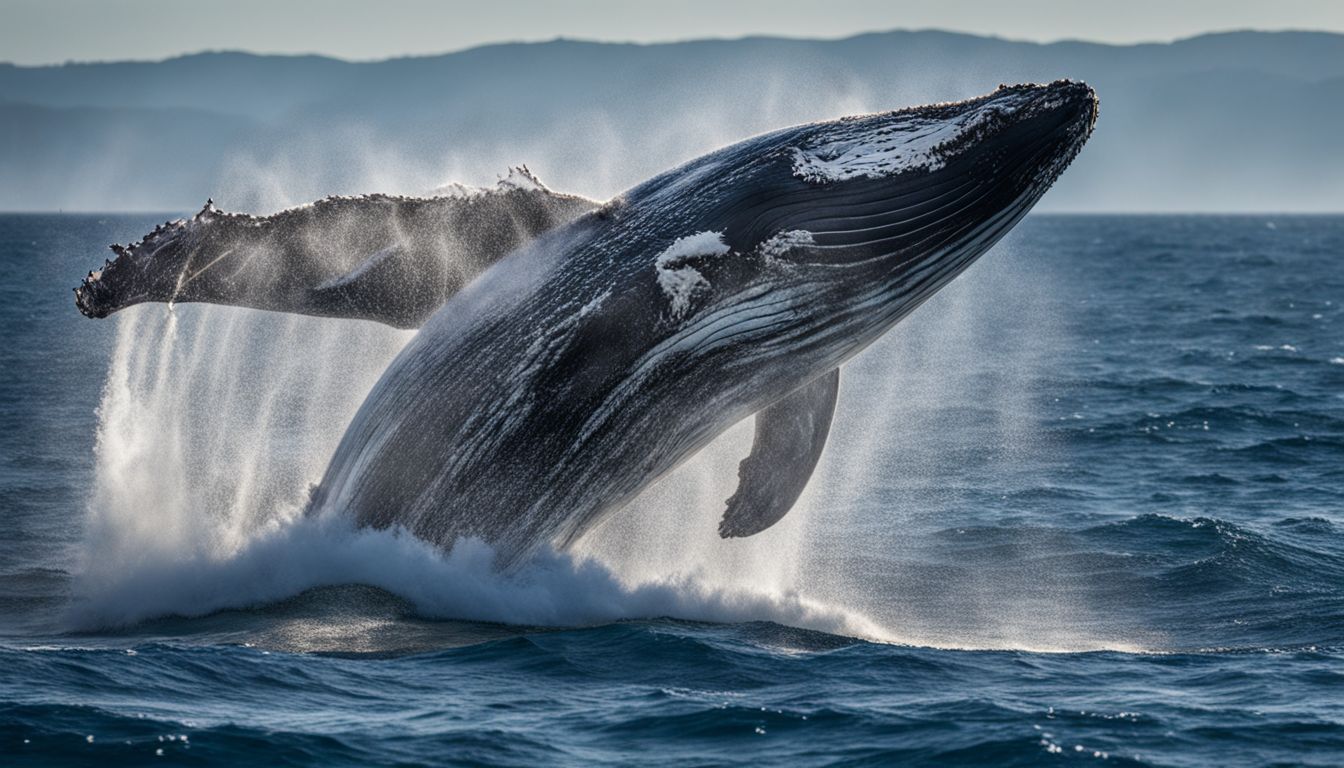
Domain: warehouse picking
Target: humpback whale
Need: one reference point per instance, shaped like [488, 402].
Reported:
[570, 353]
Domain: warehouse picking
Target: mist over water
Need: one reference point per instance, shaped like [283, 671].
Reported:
[591, 152]
[212, 425]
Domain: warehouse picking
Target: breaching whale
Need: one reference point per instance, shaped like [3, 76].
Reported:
[615, 341]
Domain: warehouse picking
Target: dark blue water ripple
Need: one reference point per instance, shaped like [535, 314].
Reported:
[684, 693]
[1178, 504]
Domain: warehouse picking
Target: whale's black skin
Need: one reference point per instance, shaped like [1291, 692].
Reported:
[585, 365]
[386, 258]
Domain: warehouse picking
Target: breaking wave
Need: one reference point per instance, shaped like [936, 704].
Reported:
[551, 589]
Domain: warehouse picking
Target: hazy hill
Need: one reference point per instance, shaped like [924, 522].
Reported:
[1238, 121]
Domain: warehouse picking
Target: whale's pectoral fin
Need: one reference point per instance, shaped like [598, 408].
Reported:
[790, 436]
[395, 286]
[386, 258]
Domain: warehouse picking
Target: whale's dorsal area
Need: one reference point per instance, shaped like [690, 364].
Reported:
[395, 260]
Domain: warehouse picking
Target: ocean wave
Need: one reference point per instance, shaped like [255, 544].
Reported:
[551, 589]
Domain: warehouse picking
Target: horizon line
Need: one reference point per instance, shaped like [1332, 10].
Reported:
[679, 41]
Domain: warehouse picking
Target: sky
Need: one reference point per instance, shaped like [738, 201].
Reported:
[54, 31]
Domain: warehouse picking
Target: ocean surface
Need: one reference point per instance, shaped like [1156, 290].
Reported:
[1086, 505]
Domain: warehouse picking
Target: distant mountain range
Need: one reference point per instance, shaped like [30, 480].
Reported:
[1225, 122]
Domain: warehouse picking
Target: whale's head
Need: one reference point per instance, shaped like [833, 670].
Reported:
[852, 223]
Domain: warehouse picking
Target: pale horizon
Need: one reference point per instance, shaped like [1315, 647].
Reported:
[596, 41]
[45, 33]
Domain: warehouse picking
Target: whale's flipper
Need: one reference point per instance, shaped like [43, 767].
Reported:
[790, 436]
[399, 285]
[385, 258]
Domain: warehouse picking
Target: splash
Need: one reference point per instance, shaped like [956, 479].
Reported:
[552, 589]
[215, 422]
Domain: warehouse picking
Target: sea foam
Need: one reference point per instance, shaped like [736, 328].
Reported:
[551, 589]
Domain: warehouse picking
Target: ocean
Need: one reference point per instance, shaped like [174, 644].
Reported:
[1085, 505]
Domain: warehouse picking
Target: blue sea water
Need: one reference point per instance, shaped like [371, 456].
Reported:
[1086, 505]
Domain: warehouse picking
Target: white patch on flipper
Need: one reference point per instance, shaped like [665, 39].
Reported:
[783, 242]
[680, 281]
